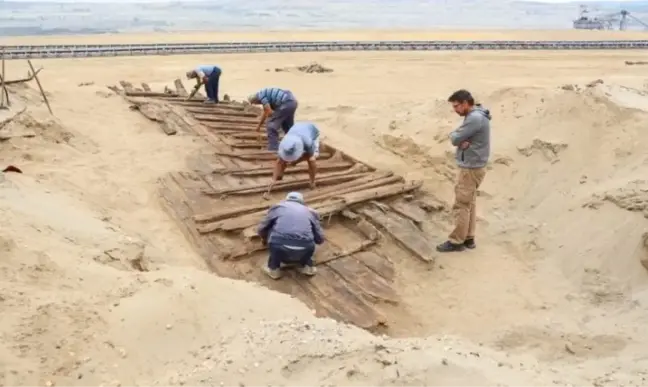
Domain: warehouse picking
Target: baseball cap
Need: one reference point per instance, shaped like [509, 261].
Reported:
[295, 197]
[291, 148]
[252, 97]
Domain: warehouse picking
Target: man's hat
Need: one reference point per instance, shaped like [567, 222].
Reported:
[295, 197]
[291, 148]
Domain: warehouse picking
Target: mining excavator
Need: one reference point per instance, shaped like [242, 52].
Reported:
[607, 21]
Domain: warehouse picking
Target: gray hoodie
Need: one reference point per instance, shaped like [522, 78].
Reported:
[291, 223]
[476, 129]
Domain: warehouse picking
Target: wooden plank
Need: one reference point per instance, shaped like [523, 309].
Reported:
[264, 205]
[199, 103]
[180, 89]
[170, 121]
[376, 179]
[265, 170]
[230, 119]
[333, 178]
[404, 231]
[127, 86]
[174, 201]
[205, 111]
[412, 212]
[323, 209]
[331, 292]
[377, 263]
[245, 129]
[149, 94]
[365, 282]
[346, 252]
[364, 227]
[323, 254]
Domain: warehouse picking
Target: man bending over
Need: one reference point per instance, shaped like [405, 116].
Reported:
[209, 75]
[280, 106]
[291, 230]
[300, 144]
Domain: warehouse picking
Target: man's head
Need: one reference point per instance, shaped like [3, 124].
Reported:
[295, 197]
[291, 148]
[191, 74]
[462, 102]
[253, 99]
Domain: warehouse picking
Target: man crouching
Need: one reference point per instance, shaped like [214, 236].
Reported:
[291, 230]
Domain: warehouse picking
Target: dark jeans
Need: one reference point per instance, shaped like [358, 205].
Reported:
[280, 254]
[211, 87]
[283, 117]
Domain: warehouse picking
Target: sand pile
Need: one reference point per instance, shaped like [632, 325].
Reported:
[310, 68]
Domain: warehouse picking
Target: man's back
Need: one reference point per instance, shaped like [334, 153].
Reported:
[307, 132]
[292, 223]
[206, 69]
[273, 96]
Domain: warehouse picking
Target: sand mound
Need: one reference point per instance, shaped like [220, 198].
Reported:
[308, 69]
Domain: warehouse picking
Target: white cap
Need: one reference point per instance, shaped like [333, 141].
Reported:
[295, 197]
[291, 148]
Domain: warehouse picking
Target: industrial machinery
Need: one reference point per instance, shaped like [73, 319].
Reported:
[606, 21]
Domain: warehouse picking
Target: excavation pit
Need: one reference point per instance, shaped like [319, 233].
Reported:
[369, 216]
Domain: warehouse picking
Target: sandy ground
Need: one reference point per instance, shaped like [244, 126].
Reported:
[97, 286]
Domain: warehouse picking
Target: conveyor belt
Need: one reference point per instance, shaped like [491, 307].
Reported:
[82, 51]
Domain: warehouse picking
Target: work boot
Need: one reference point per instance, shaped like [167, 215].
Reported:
[275, 274]
[447, 247]
[469, 243]
[308, 270]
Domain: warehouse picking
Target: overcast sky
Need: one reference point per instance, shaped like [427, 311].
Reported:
[248, 1]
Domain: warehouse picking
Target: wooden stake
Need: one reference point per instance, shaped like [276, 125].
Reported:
[3, 92]
[21, 80]
[180, 89]
[40, 86]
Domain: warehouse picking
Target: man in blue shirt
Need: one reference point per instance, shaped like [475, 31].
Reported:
[209, 75]
[301, 143]
[278, 104]
[291, 230]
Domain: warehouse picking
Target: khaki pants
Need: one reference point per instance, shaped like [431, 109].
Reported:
[464, 207]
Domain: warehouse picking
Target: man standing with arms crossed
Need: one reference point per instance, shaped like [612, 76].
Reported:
[472, 140]
[280, 106]
[209, 75]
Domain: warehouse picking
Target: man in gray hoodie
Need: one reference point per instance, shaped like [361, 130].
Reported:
[291, 230]
[472, 140]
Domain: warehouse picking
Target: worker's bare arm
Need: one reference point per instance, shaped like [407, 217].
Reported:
[267, 111]
[201, 77]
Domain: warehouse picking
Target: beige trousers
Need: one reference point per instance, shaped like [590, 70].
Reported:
[465, 204]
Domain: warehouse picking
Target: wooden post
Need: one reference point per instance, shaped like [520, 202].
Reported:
[3, 90]
[40, 86]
